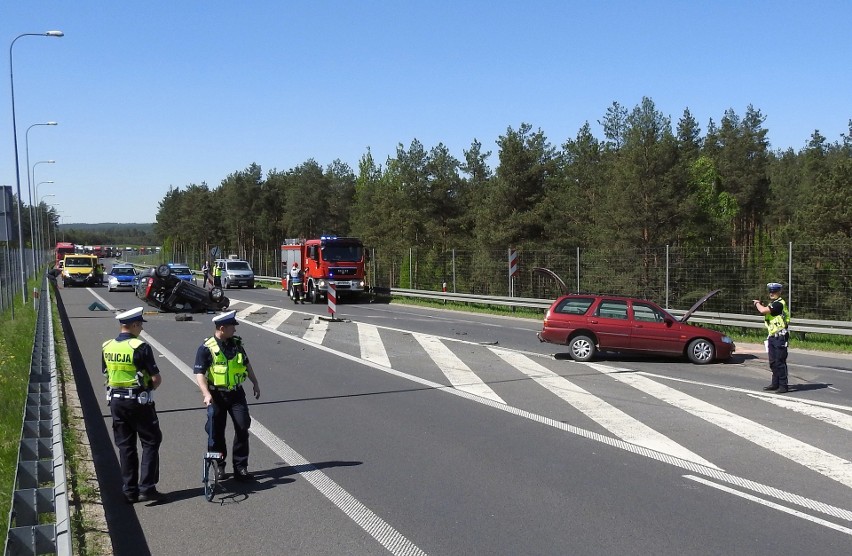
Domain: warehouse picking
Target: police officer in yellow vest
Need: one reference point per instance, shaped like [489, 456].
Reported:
[221, 366]
[131, 377]
[776, 316]
[217, 274]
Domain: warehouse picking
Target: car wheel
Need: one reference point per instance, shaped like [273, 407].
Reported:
[582, 348]
[216, 294]
[163, 270]
[315, 296]
[701, 351]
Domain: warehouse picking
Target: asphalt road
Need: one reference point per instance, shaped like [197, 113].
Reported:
[413, 431]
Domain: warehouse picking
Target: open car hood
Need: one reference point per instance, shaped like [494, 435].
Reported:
[698, 305]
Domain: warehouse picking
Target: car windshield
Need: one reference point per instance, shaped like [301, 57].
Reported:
[123, 272]
[181, 269]
[241, 265]
[342, 253]
[78, 262]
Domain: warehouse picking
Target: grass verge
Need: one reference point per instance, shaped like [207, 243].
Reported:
[16, 348]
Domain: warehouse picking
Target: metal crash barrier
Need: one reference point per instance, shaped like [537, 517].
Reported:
[39, 521]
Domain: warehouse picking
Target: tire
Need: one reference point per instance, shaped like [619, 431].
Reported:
[582, 348]
[163, 271]
[701, 351]
[315, 295]
[226, 284]
[216, 295]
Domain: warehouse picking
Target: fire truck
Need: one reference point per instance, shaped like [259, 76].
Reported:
[329, 259]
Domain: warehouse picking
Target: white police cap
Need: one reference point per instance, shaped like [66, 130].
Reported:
[132, 315]
[774, 287]
[226, 318]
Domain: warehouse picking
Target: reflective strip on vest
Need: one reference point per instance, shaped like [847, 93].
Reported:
[121, 372]
[224, 372]
[777, 323]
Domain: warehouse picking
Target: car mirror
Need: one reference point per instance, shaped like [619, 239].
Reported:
[669, 321]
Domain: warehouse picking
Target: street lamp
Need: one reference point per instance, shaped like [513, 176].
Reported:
[17, 165]
[34, 167]
[39, 226]
[30, 186]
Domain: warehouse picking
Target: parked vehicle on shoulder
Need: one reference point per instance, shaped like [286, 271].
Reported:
[590, 323]
[161, 288]
[121, 277]
[183, 272]
[79, 270]
[236, 273]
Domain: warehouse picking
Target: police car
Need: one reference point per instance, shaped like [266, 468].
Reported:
[183, 272]
[121, 277]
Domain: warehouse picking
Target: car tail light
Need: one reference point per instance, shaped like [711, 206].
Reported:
[148, 288]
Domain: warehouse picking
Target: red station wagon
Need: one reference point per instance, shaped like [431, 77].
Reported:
[591, 323]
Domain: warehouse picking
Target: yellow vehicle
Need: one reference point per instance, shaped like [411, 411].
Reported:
[79, 270]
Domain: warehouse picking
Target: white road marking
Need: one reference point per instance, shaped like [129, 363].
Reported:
[316, 331]
[253, 308]
[278, 319]
[394, 541]
[750, 392]
[772, 505]
[611, 418]
[459, 374]
[823, 414]
[692, 467]
[797, 451]
[372, 348]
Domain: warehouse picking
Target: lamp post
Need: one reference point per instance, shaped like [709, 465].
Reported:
[40, 225]
[39, 236]
[17, 164]
[30, 185]
[33, 172]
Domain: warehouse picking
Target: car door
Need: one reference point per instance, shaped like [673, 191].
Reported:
[611, 324]
[653, 329]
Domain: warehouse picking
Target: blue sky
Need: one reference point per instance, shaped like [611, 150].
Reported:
[157, 94]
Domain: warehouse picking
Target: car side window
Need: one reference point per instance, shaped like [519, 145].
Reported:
[575, 306]
[646, 313]
[611, 309]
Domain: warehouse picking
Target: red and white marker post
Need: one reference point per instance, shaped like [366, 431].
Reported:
[331, 293]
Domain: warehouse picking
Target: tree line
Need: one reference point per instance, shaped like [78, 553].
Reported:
[647, 182]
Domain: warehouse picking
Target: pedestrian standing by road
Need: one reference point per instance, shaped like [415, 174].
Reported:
[297, 283]
[776, 316]
[205, 270]
[131, 377]
[221, 366]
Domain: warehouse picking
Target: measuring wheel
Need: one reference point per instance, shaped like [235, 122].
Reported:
[210, 474]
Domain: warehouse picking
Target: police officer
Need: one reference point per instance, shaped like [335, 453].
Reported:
[221, 366]
[296, 287]
[131, 377]
[217, 274]
[776, 316]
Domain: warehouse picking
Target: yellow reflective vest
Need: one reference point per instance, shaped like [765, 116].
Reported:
[224, 372]
[120, 370]
[777, 323]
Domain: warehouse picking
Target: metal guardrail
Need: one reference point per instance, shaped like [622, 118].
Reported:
[842, 328]
[40, 487]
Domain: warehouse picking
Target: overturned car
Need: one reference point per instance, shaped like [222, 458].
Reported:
[160, 287]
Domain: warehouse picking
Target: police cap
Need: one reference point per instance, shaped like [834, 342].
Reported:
[225, 318]
[774, 287]
[130, 316]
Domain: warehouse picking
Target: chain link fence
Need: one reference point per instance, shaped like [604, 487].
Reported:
[817, 278]
[11, 282]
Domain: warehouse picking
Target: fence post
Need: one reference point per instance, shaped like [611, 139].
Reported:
[667, 276]
[790, 276]
[578, 269]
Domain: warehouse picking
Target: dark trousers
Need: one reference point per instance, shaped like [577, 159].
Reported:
[231, 403]
[217, 281]
[131, 421]
[778, 359]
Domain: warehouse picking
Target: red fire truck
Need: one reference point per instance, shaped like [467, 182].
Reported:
[339, 260]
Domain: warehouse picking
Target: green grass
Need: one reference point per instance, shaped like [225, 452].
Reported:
[810, 341]
[16, 348]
